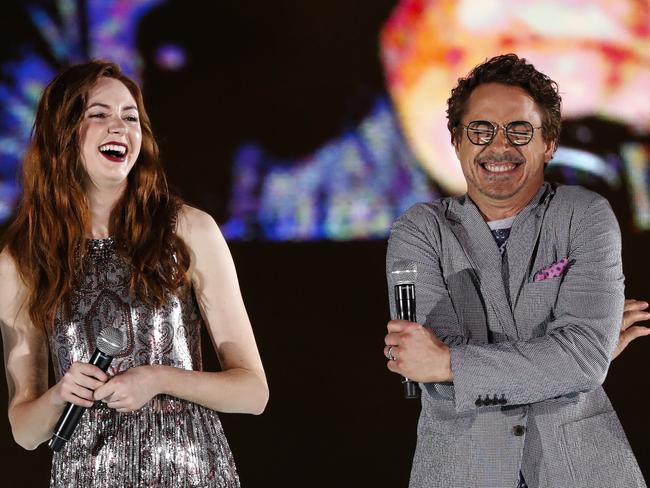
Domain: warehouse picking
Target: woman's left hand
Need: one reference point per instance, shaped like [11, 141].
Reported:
[633, 312]
[129, 390]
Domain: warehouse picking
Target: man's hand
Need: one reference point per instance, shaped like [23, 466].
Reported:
[633, 312]
[421, 356]
[418, 354]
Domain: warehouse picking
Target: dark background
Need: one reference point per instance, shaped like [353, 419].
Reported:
[291, 75]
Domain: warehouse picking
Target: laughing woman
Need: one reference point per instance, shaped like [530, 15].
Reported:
[98, 241]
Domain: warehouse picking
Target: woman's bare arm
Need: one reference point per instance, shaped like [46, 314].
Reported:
[241, 385]
[33, 408]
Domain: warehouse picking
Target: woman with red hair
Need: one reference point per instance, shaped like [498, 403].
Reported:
[99, 241]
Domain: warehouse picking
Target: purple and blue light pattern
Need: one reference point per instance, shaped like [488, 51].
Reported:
[352, 187]
[19, 99]
[112, 28]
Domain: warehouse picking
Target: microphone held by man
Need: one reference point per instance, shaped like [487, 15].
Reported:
[403, 275]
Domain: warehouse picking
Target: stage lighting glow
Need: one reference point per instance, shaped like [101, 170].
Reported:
[636, 157]
[171, 57]
[585, 161]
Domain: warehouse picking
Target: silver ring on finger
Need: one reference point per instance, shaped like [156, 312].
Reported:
[389, 354]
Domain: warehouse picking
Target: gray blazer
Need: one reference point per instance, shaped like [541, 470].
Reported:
[528, 357]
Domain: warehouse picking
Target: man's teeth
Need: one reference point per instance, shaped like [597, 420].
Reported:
[499, 168]
[114, 148]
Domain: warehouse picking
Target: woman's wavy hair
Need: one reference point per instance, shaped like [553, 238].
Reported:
[508, 69]
[47, 237]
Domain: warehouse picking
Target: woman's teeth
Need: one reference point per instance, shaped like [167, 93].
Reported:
[113, 148]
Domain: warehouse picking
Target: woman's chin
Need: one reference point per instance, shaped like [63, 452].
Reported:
[108, 182]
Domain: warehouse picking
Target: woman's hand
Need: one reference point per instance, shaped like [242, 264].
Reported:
[78, 384]
[633, 312]
[130, 390]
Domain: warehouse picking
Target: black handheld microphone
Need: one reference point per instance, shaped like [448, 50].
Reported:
[403, 274]
[109, 343]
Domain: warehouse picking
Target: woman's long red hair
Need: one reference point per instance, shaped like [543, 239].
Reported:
[47, 237]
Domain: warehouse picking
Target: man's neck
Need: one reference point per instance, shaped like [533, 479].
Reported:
[499, 213]
[495, 209]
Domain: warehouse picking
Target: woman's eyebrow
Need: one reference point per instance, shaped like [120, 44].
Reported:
[99, 104]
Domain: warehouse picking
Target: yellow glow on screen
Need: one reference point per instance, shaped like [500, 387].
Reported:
[598, 51]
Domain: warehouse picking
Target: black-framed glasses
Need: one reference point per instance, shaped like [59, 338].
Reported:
[482, 132]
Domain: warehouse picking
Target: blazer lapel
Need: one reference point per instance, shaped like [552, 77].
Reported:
[523, 240]
[476, 240]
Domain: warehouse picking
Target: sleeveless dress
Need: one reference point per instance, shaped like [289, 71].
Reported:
[169, 442]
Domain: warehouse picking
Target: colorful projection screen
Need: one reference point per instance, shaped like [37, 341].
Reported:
[398, 152]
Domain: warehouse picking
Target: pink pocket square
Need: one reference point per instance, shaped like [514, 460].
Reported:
[552, 271]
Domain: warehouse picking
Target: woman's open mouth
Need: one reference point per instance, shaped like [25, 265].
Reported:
[114, 151]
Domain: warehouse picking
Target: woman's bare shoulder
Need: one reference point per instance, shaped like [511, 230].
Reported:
[13, 289]
[7, 263]
[193, 223]
[9, 275]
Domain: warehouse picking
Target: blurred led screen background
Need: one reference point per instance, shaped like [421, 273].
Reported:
[294, 132]
[305, 127]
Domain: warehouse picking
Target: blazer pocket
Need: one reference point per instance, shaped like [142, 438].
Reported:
[598, 454]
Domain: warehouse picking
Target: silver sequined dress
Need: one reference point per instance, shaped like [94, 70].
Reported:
[167, 443]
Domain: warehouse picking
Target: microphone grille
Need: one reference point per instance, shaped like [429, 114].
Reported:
[111, 341]
[403, 271]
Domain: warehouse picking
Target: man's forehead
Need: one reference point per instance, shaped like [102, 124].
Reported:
[502, 102]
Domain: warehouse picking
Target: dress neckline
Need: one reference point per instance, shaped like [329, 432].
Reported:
[105, 244]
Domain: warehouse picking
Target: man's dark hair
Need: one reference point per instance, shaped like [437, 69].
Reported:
[509, 69]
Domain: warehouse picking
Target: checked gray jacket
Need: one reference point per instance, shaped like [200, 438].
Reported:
[528, 357]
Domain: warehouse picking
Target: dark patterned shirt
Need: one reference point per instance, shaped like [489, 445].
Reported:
[501, 230]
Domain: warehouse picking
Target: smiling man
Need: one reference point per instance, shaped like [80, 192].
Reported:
[520, 297]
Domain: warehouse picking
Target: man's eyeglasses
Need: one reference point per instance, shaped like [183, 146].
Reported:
[482, 132]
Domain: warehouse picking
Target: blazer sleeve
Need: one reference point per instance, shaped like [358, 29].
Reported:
[420, 243]
[575, 352]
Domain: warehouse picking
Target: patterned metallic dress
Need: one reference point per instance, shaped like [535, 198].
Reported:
[169, 442]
